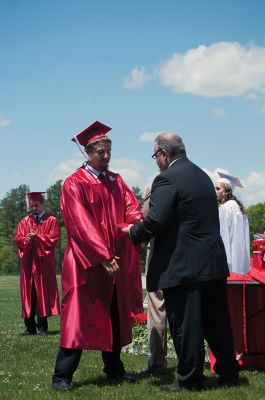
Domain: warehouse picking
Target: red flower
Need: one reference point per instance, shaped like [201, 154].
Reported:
[140, 318]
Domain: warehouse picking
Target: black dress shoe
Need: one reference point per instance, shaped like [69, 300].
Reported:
[42, 333]
[28, 333]
[122, 376]
[62, 384]
[153, 371]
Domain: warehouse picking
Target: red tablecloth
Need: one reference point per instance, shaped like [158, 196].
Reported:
[246, 299]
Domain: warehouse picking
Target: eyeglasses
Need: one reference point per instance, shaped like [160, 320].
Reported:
[154, 156]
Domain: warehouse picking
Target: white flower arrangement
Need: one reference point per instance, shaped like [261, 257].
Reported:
[140, 344]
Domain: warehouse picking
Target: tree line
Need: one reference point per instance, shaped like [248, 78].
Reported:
[13, 208]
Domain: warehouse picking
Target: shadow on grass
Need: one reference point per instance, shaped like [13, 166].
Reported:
[168, 377]
[49, 333]
[53, 333]
[102, 381]
[210, 383]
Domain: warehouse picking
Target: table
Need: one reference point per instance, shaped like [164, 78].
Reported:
[246, 301]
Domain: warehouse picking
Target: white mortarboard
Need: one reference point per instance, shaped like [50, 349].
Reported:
[230, 180]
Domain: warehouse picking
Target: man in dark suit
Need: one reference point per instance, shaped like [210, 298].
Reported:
[188, 264]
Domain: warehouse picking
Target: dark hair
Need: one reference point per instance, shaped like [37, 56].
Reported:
[172, 143]
[91, 146]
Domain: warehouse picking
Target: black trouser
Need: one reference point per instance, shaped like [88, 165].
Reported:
[68, 359]
[196, 312]
[30, 323]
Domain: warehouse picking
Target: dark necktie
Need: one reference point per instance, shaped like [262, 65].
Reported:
[37, 219]
[101, 176]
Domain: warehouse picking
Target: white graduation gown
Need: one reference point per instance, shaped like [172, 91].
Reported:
[234, 229]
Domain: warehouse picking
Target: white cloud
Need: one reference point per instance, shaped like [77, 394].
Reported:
[148, 136]
[130, 170]
[4, 122]
[254, 186]
[219, 112]
[214, 174]
[149, 181]
[221, 69]
[252, 96]
[138, 77]
[133, 173]
[63, 170]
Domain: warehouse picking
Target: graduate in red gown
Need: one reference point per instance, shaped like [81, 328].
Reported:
[36, 238]
[99, 262]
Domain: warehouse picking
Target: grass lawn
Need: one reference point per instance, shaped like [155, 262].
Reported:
[26, 366]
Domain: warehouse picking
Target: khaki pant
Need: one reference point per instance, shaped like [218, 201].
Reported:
[157, 324]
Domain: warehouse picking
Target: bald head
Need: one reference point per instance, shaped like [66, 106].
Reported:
[171, 142]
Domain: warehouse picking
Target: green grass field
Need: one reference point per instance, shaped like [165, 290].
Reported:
[26, 366]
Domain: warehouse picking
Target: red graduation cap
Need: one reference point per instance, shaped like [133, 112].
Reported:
[93, 132]
[35, 196]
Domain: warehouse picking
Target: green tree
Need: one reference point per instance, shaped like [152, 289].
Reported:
[256, 216]
[138, 194]
[52, 207]
[12, 209]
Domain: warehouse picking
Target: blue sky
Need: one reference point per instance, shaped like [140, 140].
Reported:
[141, 67]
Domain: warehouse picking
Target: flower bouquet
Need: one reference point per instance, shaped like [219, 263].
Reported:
[139, 343]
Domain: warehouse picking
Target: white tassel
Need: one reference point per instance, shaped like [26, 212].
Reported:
[81, 149]
[27, 202]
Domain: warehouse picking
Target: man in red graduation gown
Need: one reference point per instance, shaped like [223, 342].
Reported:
[36, 238]
[98, 262]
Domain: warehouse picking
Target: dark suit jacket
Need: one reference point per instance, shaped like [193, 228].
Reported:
[183, 218]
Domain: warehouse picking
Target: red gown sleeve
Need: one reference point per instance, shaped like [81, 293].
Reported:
[86, 235]
[46, 242]
[132, 207]
[23, 244]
